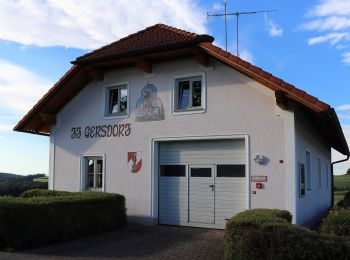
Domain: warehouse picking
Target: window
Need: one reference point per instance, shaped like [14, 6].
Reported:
[301, 180]
[189, 94]
[93, 172]
[116, 100]
[308, 170]
[230, 170]
[327, 174]
[319, 171]
[200, 172]
[173, 171]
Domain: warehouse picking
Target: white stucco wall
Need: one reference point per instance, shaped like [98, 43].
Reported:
[235, 105]
[316, 201]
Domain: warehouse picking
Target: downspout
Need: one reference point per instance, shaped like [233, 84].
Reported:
[332, 180]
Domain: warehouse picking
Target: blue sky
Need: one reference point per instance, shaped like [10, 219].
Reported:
[306, 43]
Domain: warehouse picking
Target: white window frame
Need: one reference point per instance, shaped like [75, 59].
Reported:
[308, 175]
[105, 108]
[83, 171]
[191, 110]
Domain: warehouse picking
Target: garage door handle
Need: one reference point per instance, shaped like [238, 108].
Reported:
[211, 186]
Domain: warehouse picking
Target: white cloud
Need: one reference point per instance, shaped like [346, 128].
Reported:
[274, 30]
[335, 23]
[246, 55]
[333, 38]
[344, 107]
[90, 24]
[346, 58]
[341, 46]
[19, 90]
[332, 17]
[331, 7]
[5, 127]
[217, 7]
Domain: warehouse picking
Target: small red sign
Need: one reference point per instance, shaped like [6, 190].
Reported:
[259, 178]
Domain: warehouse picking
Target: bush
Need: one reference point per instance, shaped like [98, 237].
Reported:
[262, 216]
[42, 192]
[265, 235]
[41, 219]
[337, 222]
[345, 202]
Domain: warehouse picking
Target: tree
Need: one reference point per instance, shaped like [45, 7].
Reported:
[348, 172]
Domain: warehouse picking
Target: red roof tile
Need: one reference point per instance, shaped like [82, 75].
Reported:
[156, 36]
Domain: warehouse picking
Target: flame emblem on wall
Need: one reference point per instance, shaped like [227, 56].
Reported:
[134, 161]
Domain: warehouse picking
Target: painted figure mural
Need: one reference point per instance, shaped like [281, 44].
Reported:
[149, 107]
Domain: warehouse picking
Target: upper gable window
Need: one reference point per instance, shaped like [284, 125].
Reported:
[116, 100]
[189, 94]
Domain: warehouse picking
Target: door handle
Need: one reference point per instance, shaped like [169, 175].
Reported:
[212, 187]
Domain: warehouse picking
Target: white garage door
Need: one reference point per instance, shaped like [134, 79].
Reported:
[201, 183]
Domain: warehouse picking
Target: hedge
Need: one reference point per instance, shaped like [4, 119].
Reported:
[42, 192]
[32, 221]
[337, 222]
[344, 203]
[258, 234]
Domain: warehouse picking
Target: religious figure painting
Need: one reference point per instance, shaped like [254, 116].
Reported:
[149, 107]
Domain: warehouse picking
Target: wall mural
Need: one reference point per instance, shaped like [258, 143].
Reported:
[149, 107]
[134, 161]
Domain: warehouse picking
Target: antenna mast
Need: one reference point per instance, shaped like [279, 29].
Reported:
[237, 14]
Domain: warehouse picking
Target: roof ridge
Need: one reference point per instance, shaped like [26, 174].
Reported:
[174, 29]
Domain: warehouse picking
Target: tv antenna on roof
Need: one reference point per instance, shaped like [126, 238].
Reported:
[237, 14]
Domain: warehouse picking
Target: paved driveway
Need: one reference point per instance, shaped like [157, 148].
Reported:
[134, 242]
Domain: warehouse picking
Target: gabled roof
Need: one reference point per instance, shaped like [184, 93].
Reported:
[160, 43]
[156, 37]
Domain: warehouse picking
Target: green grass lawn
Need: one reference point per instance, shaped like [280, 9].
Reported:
[41, 179]
[341, 186]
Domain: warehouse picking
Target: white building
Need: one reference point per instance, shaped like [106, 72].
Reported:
[187, 132]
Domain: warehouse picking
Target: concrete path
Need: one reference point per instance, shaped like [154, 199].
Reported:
[134, 242]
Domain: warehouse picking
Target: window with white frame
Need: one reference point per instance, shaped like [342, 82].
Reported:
[319, 171]
[93, 172]
[189, 94]
[308, 171]
[116, 100]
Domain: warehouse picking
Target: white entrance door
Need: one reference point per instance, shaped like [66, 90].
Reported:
[201, 194]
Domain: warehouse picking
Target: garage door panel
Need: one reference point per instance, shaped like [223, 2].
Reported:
[228, 205]
[189, 200]
[227, 183]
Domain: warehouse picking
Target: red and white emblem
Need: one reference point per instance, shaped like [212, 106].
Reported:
[134, 161]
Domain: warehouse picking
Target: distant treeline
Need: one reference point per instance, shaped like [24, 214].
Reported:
[16, 184]
[5, 176]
